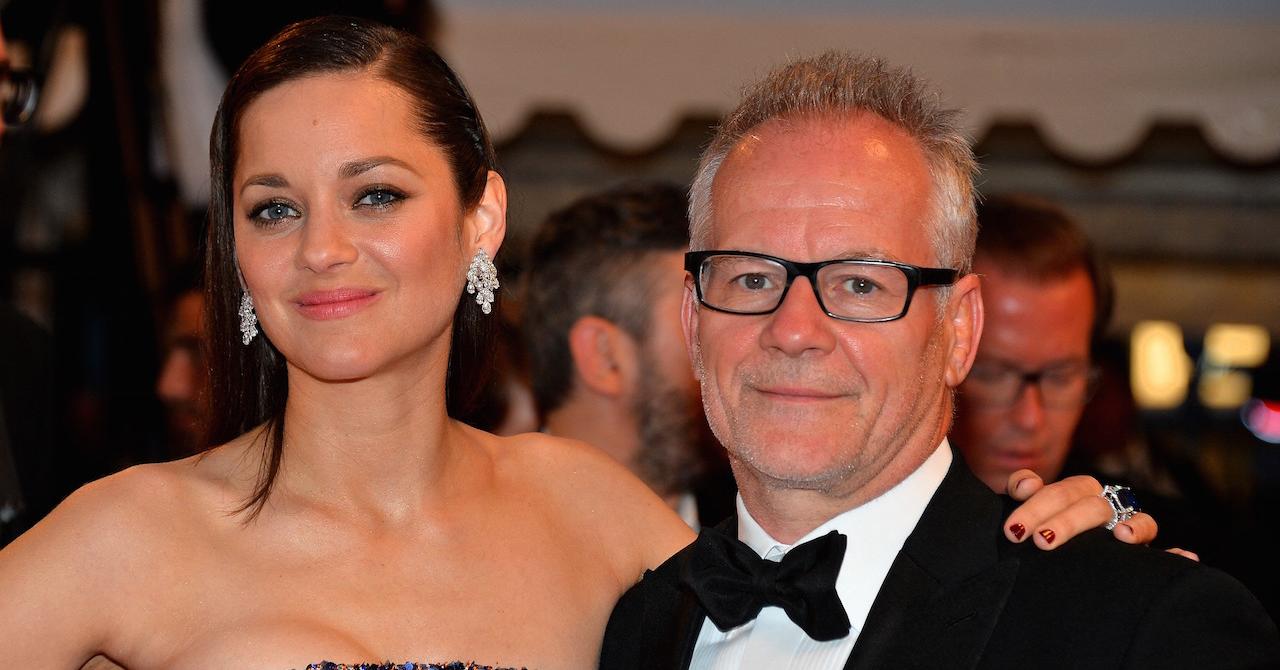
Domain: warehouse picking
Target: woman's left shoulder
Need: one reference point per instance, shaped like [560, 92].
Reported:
[595, 493]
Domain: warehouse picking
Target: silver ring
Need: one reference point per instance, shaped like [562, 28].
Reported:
[1124, 504]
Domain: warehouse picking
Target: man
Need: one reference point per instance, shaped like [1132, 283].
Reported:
[29, 481]
[829, 314]
[607, 357]
[1047, 300]
[180, 384]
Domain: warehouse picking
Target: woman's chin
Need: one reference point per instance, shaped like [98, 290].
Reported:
[338, 370]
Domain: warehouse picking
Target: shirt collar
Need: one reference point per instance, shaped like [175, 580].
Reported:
[876, 530]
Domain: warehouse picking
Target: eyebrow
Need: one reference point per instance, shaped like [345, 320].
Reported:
[268, 180]
[875, 253]
[347, 170]
[358, 167]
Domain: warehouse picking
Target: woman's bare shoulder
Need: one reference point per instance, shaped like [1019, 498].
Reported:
[118, 511]
[72, 581]
[133, 510]
[599, 496]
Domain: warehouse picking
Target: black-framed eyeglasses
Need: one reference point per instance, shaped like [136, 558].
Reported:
[1000, 385]
[867, 291]
[18, 95]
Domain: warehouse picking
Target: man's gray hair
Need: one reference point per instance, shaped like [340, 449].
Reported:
[839, 84]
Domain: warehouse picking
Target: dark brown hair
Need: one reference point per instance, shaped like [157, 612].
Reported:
[248, 384]
[592, 259]
[1034, 239]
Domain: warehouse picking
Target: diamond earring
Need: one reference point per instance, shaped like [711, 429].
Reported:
[482, 280]
[248, 319]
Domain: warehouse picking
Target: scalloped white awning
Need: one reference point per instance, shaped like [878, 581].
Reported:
[1092, 86]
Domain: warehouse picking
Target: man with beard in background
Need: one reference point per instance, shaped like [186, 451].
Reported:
[607, 358]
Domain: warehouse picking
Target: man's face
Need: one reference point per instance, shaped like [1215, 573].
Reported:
[183, 374]
[4, 57]
[1032, 327]
[801, 400]
[666, 402]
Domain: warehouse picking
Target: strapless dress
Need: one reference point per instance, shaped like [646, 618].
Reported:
[455, 665]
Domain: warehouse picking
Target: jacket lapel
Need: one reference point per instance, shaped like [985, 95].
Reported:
[673, 617]
[673, 630]
[947, 587]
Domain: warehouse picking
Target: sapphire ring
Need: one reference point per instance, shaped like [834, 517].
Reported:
[1124, 504]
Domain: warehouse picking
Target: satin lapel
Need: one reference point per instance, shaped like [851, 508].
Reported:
[675, 618]
[947, 587]
[676, 632]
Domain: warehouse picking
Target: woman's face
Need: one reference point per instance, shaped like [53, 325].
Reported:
[349, 233]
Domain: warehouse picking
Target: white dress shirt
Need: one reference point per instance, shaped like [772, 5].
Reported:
[876, 531]
[687, 508]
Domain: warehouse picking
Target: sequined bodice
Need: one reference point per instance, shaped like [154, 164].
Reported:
[388, 665]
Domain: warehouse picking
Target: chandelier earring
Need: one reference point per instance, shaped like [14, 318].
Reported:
[248, 319]
[482, 280]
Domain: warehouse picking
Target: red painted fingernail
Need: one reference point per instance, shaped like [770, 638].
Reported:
[1048, 535]
[1018, 530]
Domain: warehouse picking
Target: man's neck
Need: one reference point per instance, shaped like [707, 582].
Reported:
[788, 513]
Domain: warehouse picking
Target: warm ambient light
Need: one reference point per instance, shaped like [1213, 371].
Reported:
[1160, 368]
[1236, 345]
[1223, 388]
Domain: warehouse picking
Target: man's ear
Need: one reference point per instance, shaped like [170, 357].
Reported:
[964, 320]
[689, 322]
[486, 225]
[605, 358]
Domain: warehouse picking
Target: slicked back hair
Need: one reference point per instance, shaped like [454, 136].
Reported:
[1034, 239]
[835, 85]
[593, 258]
[249, 384]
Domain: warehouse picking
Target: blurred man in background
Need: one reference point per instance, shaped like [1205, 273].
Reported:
[29, 485]
[1047, 301]
[607, 357]
[181, 383]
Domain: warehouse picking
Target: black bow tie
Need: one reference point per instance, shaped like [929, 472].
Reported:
[732, 583]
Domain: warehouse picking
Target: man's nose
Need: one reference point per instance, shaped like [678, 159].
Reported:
[1028, 407]
[176, 381]
[326, 243]
[799, 325]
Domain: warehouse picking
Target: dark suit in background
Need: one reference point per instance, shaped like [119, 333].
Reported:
[28, 472]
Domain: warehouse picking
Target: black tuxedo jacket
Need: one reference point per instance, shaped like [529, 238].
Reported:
[959, 595]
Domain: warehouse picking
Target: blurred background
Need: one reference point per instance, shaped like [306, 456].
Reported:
[1156, 124]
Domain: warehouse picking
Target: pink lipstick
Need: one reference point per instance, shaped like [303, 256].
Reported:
[334, 304]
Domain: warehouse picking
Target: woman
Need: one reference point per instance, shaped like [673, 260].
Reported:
[345, 516]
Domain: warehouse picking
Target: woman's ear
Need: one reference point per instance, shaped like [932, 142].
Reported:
[486, 225]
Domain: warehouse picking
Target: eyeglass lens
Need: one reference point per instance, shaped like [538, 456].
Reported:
[17, 96]
[849, 289]
[1002, 386]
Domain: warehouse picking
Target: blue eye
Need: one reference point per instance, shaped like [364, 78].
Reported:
[274, 212]
[379, 198]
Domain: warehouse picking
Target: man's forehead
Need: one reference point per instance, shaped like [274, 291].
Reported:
[789, 191]
[821, 162]
[842, 188]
